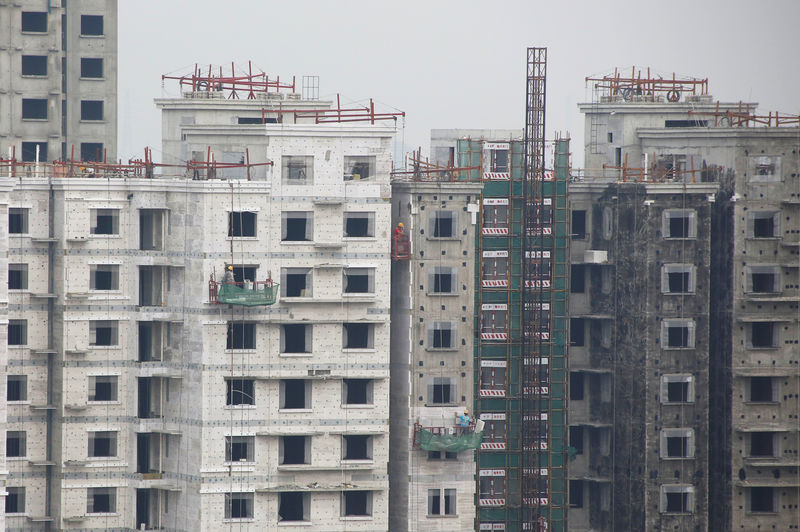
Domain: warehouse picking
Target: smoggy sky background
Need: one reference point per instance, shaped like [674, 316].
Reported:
[456, 64]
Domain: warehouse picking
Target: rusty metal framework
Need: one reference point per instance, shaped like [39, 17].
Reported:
[232, 85]
[424, 170]
[533, 424]
[647, 85]
[134, 168]
[656, 171]
[338, 114]
[745, 116]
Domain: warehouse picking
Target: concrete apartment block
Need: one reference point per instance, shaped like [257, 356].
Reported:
[432, 354]
[142, 403]
[638, 307]
[751, 401]
[62, 87]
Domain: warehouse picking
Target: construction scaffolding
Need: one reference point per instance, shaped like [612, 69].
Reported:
[520, 315]
[647, 87]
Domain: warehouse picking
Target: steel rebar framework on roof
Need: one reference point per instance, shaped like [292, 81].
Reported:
[745, 117]
[648, 85]
[214, 80]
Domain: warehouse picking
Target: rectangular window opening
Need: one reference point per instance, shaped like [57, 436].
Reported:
[576, 386]
[92, 67]
[91, 109]
[297, 226]
[579, 225]
[576, 494]
[577, 279]
[359, 280]
[105, 221]
[295, 394]
[17, 388]
[294, 506]
[103, 388]
[240, 392]
[15, 500]
[296, 338]
[34, 21]
[16, 443]
[34, 65]
[297, 170]
[296, 282]
[242, 224]
[34, 108]
[357, 447]
[761, 390]
[358, 336]
[442, 391]
[762, 444]
[359, 224]
[295, 450]
[102, 444]
[576, 438]
[358, 167]
[443, 224]
[762, 499]
[762, 335]
[357, 391]
[240, 448]
[104, 277]
[17, 332]
[239, 505]
[92, 25]
[17, 221]
[241, 335]
[92, 151]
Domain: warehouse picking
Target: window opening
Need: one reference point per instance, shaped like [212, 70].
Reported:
[578, 225]
[357, 503]
[240, 448]
[296, 338]
[240, 392]
[762, 444]
[104, 277]
[17, 221]
[102, 444]
[91, 67]
[357, 167]
[359, 224]
[358, 336]
[443, 224]
[103, 388]
[239, 505]
[296, 282]
[441, 335]
[357, 447]
[91, 109]
[762, 335]
[16, 443]
[34, 65]
[15, 500]
[298, 170]
[442, 390]
[297, 226]
[294, 506]
[241, 335]
[34, 21]
[576, 438]
[295, 394]
[577, 279]
[295, 450]
[17, 388]
[357, 391]
[242, 224]
[17, 332]
[576, 494]
[105, 221]
[359, 280]
[762, 499]
[92, 25]
[34, 108]
[761, 390]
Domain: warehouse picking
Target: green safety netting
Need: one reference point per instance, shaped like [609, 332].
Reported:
[429, 441]
[248, 297]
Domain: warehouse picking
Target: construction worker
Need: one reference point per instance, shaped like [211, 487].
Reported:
[398, 230]
[463, 419]
[228, 277]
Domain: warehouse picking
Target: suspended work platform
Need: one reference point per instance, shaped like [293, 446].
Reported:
[247, 294]
[450, 439]
[401, 247]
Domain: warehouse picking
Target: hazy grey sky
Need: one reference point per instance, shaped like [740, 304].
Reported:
[456, 64]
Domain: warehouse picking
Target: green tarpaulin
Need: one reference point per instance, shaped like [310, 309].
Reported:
[449, 442]
[234, 295]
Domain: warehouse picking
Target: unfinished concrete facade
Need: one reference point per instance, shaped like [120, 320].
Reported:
[432, 345]
[61, 91]
[639, 331]
[752, 394]
[164, 410]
